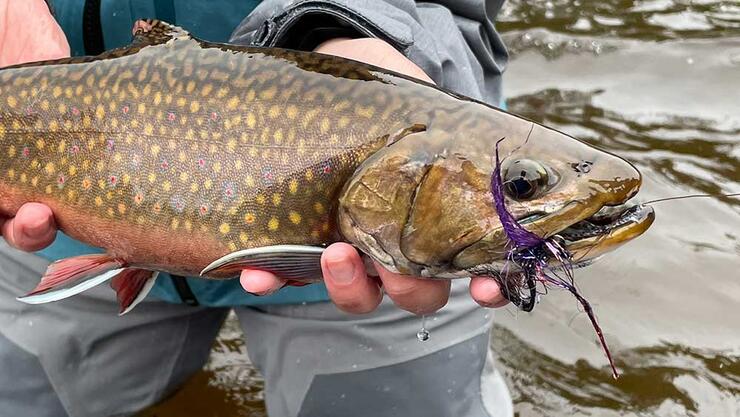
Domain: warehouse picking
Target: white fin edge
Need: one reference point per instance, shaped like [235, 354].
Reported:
[56, 295]
[142, 294]
[265, 250]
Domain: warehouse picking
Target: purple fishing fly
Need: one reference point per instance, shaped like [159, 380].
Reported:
[531, 254]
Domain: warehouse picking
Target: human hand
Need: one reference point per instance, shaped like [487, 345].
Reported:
[28, 33]
[344, 272]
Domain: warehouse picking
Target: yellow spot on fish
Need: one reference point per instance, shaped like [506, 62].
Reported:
[194, 106]
[11, 151]
[148, 129]
[274, 112]
[166, 185]
[278, 135]
[117, 157]
[194, 187]
[206, 90]
[208, 184]
[86, 183]
[260, 198]
[238, 164]
[249, 218]
[217, 167]
[175, 223]
[309, 175]
[292, 111]
[86, 122]
[49, 168]
[293, 186]
[152, 177]
[155, 149]
[318, 207]
[72, 170]
[110, 212]
[98, 201]
[181, 102]
[224, 228]
[277, 199]
[87, 100]
[12, 102]
[24, 178]
[121, 208]
[45, 105]
[343, 122]
[190, 86]
[40, 144]
[57, 91]
[99, 112]
[269, 93]
[188, 225]
[273, 224]
[232, 246]
[249, 180]
[48, 189]
[294, 217]
[243, 237]
[366, 112]
[35, 181]
[251, 120]
[141, 108]
[184, 176]
[157, 98]
[62, 146]
[11, 173]
[232, 103]
[325, 125]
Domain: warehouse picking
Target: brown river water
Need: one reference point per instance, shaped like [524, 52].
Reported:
[657, 82]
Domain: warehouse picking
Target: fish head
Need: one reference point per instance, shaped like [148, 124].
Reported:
[424, 205]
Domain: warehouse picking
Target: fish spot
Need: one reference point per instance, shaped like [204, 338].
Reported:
[318, 207]
[138, 198]
[113, 180]
[86, 183]
[121, 208]
[166, 185]
[293, 186]
[194, 106]
[98, 201]
[273, 224]
[249, 218]
[12, 102]
[294, 217]
[243, 238]
[203, 209]
[276, 199]
[224, 228]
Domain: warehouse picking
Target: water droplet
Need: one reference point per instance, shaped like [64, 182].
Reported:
[297, 361]
[343, 396]
[690, 61]
[354, 366]
[551, 46]
[423, 334]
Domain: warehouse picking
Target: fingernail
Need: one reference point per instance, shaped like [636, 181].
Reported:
[35, 228]
[342, 272]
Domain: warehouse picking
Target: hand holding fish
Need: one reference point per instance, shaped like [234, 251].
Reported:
[33, 227]
[344, 271]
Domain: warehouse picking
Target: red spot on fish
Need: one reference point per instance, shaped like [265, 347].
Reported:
[125, 109]
[267, 175]
[201, 162]
[110, 145]
[75, 111]
[138, 198]
[113, 180]
[29, 111]
[26, 152]
[229, 192]
[214, 116]
[61, 180]
[164, 164]
[170, 116]
[326, 169]
[157, 208]
[203, 210]
[74, 149]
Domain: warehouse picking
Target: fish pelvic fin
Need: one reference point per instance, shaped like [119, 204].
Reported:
[296, 263]
[71, 276]
[132, 286]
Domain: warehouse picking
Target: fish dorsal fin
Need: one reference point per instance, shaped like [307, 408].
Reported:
[155, 32]
[293, 262]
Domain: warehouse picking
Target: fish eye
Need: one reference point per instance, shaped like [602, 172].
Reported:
[523, 178]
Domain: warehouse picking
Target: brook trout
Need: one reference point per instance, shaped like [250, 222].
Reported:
[201, 159]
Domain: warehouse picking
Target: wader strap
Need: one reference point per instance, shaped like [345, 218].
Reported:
[184, 291]
[92, 29]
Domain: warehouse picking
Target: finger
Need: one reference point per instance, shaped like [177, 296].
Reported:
[486, 292]
[33, 227]
[347, 282]
[416, 295]
[259, 282]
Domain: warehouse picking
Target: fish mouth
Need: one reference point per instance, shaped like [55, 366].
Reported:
[605, 230]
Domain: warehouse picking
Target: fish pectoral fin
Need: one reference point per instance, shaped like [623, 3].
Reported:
[292, 262]
[156, 32]
[71, 276]
[132, 285]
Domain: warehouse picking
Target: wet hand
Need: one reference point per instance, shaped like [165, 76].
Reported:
[345, 275]
[28, 33]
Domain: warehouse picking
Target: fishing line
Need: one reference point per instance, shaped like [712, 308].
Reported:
[681, 197]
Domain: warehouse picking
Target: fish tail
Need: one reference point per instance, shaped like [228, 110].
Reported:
[71, 276]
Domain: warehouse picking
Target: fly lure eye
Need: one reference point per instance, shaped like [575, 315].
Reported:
[523, 178]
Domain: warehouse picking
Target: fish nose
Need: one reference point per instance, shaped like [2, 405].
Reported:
[618, 181]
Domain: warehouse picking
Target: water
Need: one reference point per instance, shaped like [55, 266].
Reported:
[656, 82]
[423, 334]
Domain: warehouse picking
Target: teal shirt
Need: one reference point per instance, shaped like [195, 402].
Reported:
[212, 20]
